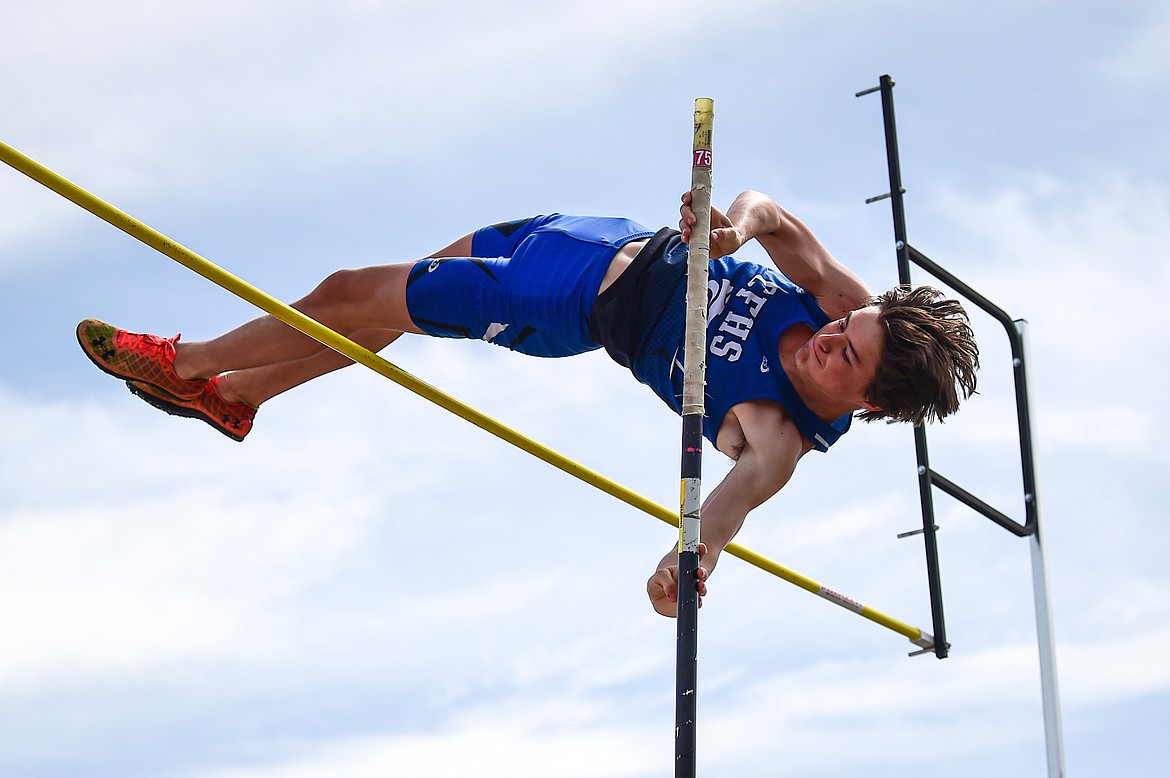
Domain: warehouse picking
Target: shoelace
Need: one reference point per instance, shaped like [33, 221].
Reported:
[147, 345]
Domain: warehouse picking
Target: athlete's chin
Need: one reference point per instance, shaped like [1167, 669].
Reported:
[806, 357]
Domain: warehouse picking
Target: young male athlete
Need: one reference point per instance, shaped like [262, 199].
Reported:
[791, 354]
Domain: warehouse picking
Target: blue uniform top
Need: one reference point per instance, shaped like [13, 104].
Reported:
[748, 307]
[532, 285]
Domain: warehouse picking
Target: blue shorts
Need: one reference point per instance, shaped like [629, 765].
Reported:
[529, 285]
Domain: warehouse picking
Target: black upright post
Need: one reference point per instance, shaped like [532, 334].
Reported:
[924, 476]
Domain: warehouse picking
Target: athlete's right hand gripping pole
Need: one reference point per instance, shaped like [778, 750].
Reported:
[694, 382]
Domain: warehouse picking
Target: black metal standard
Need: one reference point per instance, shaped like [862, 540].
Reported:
[928, 478]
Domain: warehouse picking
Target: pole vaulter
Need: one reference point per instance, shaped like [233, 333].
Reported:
[361, 355]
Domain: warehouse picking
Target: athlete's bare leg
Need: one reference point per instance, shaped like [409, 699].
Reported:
[259, 384]
[265, 357]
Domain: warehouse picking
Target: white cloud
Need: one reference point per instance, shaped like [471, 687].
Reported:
[1084, 264]
[408, 79]
[1118, 669]
[535, 741]
[136, 562]
[168, 543]
[1141, 60]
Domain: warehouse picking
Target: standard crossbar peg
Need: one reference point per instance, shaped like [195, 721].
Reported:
[886, 196]
[925, 643]
[929, 650]
[869, 91]
[913, 532]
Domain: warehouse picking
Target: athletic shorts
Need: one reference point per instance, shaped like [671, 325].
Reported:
[641, 315]
[529, 286]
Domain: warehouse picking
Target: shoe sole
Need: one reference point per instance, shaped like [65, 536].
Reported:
[176, 409]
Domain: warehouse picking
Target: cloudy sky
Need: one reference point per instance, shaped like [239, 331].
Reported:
[369, 586]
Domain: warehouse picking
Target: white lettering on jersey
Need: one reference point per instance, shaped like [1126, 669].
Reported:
[754, 301]
[717, 295]
[722, 347]
[769, 287]
[735, 327]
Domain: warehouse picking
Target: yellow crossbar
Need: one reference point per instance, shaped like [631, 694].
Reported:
[357, 353]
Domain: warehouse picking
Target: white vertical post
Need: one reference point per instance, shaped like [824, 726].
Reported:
[1045, 635]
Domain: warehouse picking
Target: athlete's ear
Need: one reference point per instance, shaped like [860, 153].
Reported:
[866, 405]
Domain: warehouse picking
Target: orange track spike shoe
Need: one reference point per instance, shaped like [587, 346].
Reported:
[232, 419]
[145, 359]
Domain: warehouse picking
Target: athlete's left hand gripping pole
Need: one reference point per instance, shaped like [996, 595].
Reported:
[694, 382]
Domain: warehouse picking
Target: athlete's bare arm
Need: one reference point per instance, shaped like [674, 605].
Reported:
[766, 446]
[792, 246]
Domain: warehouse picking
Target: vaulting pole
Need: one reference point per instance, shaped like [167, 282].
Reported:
[693, 410]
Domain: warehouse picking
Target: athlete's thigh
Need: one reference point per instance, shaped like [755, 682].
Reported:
[375, 297]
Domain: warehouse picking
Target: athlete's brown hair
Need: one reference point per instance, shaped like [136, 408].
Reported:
[929, 357]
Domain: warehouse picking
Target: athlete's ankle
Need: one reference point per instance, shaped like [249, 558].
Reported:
[226, 387]
[191, 362]
[183, 365]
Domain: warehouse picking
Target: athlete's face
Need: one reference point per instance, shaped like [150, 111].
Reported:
[840, 360]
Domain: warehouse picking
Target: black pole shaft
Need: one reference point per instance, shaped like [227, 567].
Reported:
[686, 677]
